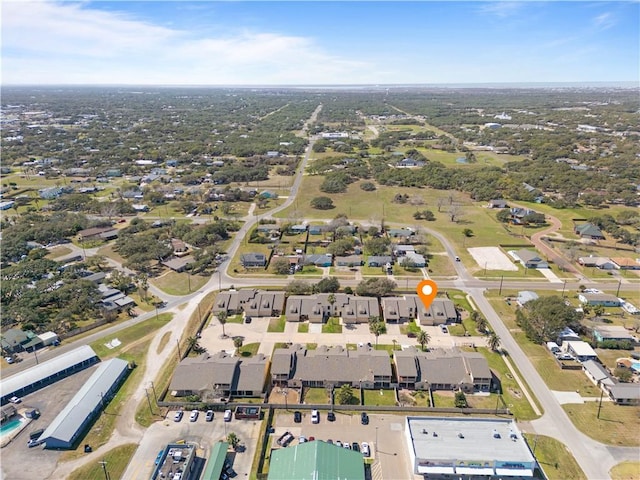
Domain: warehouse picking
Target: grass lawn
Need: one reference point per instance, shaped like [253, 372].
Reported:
[410, 327]
[332, 326]
[512, 396]
[59, 251]
[277, 324]
[117, 461]
[175, 283]
[443, 400]
[556, 460]
[129, 336]
[316, 395]
[385, 346]
[373, 397]
[309, 271]
[303, 328]
[234, 319]
[163, 342]
[625, 471]
[617, 425]
[109, 252]
[248, 350]
[236, 267]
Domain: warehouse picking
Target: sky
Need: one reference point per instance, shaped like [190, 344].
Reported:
[318, 43]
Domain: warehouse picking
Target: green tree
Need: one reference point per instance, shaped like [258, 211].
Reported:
[377, 327]
[237, 342]
[598, 310]
[222, 318]
[493, 341]
[423, 338]
[322, 203]
[233, 440]
[376, 287]
[345, 395]
[327, 285]
[623, 374]
[467, 232]
[281, 266]
[460, 400]
[543, 318]
[298, 287]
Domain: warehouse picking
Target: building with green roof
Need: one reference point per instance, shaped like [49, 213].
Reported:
[316, 460]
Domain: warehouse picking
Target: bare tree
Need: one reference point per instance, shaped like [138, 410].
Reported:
[441, 203]
[455, 212]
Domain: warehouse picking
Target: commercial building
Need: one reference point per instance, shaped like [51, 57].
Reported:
[467, 447]
[316, 461]
[46, 373]
[67, 428]
[177, 463]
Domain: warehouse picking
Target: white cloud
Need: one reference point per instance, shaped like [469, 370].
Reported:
[501, 9]
[47, 42]
[604, 21]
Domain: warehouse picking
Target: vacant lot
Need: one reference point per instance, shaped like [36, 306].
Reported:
[492, 258]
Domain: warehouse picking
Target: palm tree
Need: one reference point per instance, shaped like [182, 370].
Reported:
[377, 328]
[481, 324]
[493, 341]
[194, 345]
[423, 339]
[238, 341]
[233, 440]
[222, 318]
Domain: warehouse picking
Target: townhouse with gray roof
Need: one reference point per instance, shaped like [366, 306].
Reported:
[410, 307]
[220, 375]
[297, 367]
[442, 370]
[317, 308]
[254, 303]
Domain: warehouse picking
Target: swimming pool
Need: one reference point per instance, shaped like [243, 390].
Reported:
[10, 426]
[635, 366]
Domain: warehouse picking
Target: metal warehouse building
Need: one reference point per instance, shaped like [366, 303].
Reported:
[73, 420]
[46, 373]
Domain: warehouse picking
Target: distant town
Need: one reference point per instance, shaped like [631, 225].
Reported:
[211, 283]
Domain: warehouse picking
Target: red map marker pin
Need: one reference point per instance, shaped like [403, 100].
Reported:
[427, 291]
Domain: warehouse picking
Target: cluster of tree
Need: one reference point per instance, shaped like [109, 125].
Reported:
[35, 227]
[300, 287]
[322, 203]
[424, 215]
[376, 287]
[544, 318]
[336, 182]
[616, 228]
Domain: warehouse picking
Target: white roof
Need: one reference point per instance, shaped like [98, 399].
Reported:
[47, 335]
[73, 416]
[45, 369]
[582, 349]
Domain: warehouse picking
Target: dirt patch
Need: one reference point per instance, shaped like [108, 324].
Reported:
[492, 258]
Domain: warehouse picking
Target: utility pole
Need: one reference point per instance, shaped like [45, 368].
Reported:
[600, 404]
[564, 285]
[618, 291]
[501, 280]
[153, 389]
[104, 469]
[179, 354]
[148, 401]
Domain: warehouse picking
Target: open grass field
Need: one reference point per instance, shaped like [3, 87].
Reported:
[59, 251]
[617, 425]
[555, 458]
[626, 471]
[116, 463]
[130, 336]
[175, 283]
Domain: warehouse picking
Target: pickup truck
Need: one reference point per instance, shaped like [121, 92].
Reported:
[285, 439]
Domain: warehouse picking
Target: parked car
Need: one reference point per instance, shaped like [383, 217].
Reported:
[364, 418]
[297, 417]
[15, 399]
[330, 442]
[178, 416]
[34, 442]
[355, 447]
[285, 439]
[159, 457]
[9, 359]
[194, 415]
[312, 438]
[338, 443]
[364, 448]
[209, 416]
[315, 416]
[227, 415]
[247, 320]
[302, 439]
[331, 417]
[457, 259]
[444, 329]
[346, 445]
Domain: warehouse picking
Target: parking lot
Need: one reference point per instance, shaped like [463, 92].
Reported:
[202, 433]
[384, 433]
[20, 462]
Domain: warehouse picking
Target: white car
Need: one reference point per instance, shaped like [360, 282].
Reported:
[364, 448]
[315, 416]
[302, 439]
[178, 416]
[194, 415]
[15, 400]
[227, 416]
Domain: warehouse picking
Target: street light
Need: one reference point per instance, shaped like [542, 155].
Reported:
[285, 392]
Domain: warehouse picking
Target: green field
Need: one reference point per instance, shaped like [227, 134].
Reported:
[617, 425]
[130, 335]
[175, 283]
[555, 458]
[116, 463]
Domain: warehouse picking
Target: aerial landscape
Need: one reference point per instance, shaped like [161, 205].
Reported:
[304, 240]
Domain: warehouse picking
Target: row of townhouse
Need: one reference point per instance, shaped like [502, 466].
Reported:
[216, 376]
[349, 308]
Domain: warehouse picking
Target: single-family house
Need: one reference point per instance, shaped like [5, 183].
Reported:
[319, 260]
[14, 340]
[518, 215]
[625, 393]
[582, 351]
[497, 203]
[597, 374]
[616, 333]
[401, 233]
[624, 263]
[349, 261]
[253, 260]
[568, 335]
[440, 369]
[402, 250]
[295, 229]
[97, 233]
[588, 230]
[604, 299]
[179, 264]
[528, 258]
[526, 296]
[414, 259]
[602, 263]
[379, 260]
[410, 163]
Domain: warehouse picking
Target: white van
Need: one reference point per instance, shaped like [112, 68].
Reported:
[227, 415]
